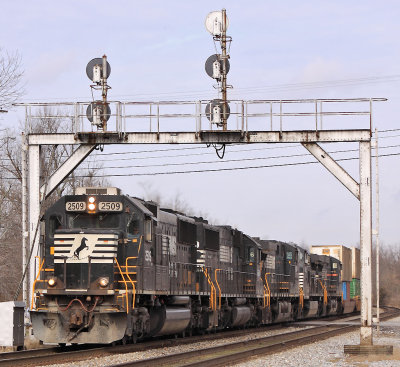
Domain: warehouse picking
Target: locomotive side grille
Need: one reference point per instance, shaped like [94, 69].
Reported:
[301, 279]
[225, 254]
[164, 245]
[270, 262]
[78, 248]
[202, 259]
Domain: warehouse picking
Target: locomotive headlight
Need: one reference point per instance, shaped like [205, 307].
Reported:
[92, 203]
[103, 282]
[52, 282]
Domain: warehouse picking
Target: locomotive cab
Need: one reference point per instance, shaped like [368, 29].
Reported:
[90, 253]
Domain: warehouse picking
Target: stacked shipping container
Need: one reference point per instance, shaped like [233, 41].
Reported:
[350, 274]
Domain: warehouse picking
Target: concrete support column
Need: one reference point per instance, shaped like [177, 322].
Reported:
[33, 214]
[366, 242]
[24, 194]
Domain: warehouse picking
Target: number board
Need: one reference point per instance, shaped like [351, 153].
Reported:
[110, 206]
[75, 206]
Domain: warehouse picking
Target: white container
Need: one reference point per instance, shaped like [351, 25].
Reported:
[12, 324]
[339, 252]
[355, 263]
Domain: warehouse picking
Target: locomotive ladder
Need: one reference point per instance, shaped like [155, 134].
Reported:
[325, 292]
[126, 273]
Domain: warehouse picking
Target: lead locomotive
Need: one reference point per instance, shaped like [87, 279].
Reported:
[117, 268]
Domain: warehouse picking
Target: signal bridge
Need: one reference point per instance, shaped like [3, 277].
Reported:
[308, 122]
[188, 122]
[217, 122]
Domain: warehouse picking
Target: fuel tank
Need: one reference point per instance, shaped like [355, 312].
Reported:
[169, 320]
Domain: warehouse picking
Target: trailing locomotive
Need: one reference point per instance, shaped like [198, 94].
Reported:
[118, 268]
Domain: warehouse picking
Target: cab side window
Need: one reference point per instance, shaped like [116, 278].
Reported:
[148, 229]
[250, 254]
[133, 225]
[54, 223]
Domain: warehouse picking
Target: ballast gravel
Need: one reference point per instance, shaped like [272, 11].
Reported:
[329, 352]
[325, 353]
[136, 356]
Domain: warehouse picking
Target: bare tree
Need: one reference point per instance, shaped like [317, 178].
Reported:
[10, 78]
[10, 190]
[389, 275]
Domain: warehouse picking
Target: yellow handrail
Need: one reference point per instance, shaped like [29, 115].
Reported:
[268, 290]
[126, 286]
[265, 288]
[213, 303]
[301, 298]
[36, 279]
[325, 292]
[219, 288]
[127, 273]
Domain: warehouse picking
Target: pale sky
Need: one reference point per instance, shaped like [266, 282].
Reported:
[157, 51]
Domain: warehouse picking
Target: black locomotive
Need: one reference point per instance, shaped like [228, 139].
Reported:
[118, 268]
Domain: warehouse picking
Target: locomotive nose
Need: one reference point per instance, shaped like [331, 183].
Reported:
[81, 258]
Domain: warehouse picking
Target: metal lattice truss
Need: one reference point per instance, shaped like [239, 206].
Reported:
[308, 122]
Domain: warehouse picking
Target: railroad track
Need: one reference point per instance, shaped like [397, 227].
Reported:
[231, 353]
[218, 356]
[75, 353]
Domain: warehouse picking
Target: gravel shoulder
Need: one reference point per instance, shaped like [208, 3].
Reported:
[330, 353]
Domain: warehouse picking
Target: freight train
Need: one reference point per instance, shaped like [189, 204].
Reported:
[115, 268]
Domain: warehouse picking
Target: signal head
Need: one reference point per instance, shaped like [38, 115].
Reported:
[216, 24]
[94, 70]
[215, 65]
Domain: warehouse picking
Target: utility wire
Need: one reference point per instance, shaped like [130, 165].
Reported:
[255, 89]
[235, 160]
[218, 169]
[228, 169]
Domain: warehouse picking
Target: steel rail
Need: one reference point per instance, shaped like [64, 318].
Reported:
[228, 354]
[75, 353]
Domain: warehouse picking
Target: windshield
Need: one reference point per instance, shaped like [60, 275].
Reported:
[85, 220]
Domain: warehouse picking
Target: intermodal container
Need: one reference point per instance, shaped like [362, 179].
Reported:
[354, 288]
[355, 263]
[346, 290]
[340, 252]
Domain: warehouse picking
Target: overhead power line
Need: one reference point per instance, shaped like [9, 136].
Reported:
[255, 89]
[227, 169]
[233, 160]
[217, 169]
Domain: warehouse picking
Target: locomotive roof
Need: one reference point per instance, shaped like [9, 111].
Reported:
[141, 206]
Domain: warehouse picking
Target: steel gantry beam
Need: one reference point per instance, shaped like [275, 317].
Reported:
[363, 192]
[76, 158]
[366, 242]
[333, 167]
[203, 137]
